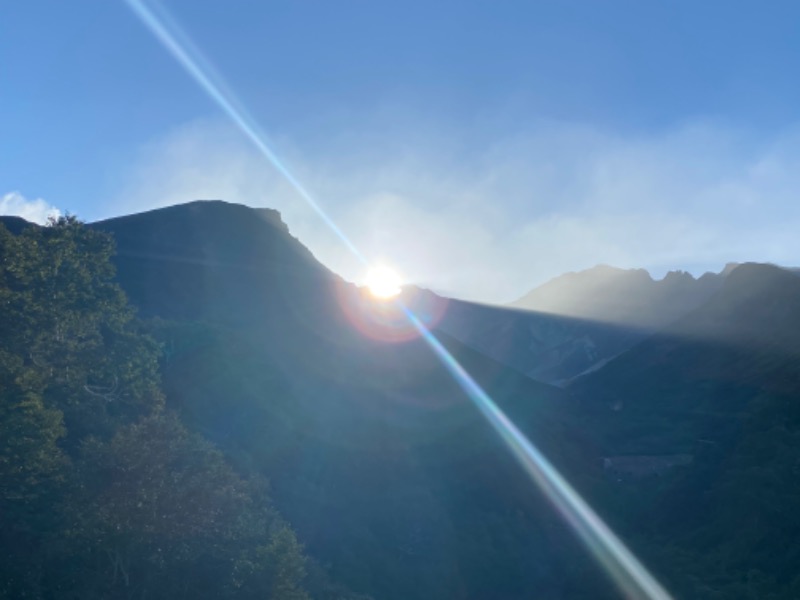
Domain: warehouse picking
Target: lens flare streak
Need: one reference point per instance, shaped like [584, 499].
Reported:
[625, 570]
[628, 573]
[191, 59]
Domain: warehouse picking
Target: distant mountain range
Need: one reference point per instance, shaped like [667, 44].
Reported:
[742, 342]
[568, 327]
[576, 323]
[676, 411]
[629, 297]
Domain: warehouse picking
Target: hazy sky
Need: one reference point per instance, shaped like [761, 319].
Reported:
[478, 147]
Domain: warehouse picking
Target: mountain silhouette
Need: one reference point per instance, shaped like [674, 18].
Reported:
[374, 453]
[677, 416]
[212, 260]
[629, 297]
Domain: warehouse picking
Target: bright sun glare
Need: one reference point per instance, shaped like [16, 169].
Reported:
[383, 282]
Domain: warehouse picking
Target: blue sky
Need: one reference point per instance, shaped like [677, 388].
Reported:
[480, 147]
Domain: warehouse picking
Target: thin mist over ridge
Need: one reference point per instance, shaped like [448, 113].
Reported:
[565, 294]
[546, 296]
[471, 227]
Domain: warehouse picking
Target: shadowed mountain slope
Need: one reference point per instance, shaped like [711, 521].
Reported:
[385, 469]
[388, 473]
[687, 440]
[715, 398]
[212, 260]
[744, 341]
[546, 347]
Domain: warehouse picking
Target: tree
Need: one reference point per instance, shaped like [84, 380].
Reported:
[68, 324]
[33, 470]
[104, 494]
[273, 569]
[164, 515]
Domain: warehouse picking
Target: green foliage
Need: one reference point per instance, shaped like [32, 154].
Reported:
[33, 470]
[31, 461]
[104, 494]
[68, 324]
[273, 569]
[164, 514]
[398, 500]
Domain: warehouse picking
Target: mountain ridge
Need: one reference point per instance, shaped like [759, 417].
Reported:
[627, 296]
[571, 325]
[385, 469]
[363, 435]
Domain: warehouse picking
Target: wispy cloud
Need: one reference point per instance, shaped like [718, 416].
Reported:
[35, 211]
[488, 218]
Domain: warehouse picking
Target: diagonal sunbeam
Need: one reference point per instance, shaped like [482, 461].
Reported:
[192, 60]
[627, 572]
[633, 579]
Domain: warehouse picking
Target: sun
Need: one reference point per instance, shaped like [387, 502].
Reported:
[383, 282]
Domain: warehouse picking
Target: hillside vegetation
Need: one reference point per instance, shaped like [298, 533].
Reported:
[103, 492]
